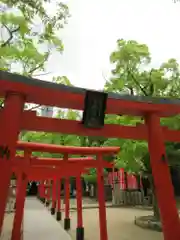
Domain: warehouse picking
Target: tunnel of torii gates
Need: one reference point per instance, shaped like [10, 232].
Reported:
[18, 90]
[28, 168]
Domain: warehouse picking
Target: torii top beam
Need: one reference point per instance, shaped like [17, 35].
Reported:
[38, 91]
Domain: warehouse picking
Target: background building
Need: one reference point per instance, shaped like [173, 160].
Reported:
[46, 111]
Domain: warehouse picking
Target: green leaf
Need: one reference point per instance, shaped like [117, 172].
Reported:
[26, 45]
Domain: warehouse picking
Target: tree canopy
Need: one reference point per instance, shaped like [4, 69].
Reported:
[132, 74]
[29, 34]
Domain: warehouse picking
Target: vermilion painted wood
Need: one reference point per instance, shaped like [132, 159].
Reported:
[40, 95]
[67, 197]
[76, 127]
[19, 160]
[48, 190]
[52, 148]
[75, 164]
[43, 174]
[58, 186]
[67, 189]
[33, 159]
[48, 172]
[162, 180]
[101, 200]
[9, 130]
[48, 176]
[45, 187]
[33, 123]
[39, 92]
[41, 189]
[79, 202]
[54, 193]
[20, 200]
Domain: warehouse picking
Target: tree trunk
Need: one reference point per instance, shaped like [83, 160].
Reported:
[155, 208]
[138, 179]
[154, 200]
[126, 192]
[126, 181]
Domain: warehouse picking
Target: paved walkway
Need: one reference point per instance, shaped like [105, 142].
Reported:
[39, 224]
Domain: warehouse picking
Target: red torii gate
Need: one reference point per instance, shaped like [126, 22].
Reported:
[77, 164]
[35, 172]
[31, 168]
[18, 89]
[38, 174]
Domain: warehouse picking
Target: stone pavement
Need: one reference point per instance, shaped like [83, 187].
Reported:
[7, 226]
[39, 224]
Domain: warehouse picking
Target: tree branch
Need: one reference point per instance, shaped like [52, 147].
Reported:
[150, 84]
[11, 32]
[131, 91]
[32, 108]
[104, 77]
[38, 66]
[35, 68]
[1, 104]
[137, 83]
[41, 74]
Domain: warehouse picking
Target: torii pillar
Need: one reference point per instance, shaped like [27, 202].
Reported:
[67, 221]
[162, 179]
[10, 126]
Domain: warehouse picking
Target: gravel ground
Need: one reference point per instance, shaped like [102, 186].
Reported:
[120, 225]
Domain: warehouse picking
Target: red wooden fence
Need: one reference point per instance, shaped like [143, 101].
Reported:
[119, 177]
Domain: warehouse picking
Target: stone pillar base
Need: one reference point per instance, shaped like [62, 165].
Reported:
[52, 211]
[47, 203]
[58, 216]
[67, 223]
[80, 233]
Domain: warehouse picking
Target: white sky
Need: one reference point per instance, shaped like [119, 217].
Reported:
[94, 27]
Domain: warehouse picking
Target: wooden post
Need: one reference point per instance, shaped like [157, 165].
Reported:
[67, 200]
[54, 196]
[162, 180]
[58, 214]
[43, 191]
[20, 200]
[80, 228]
[101, 199]
[48, 192]
[10, 125]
